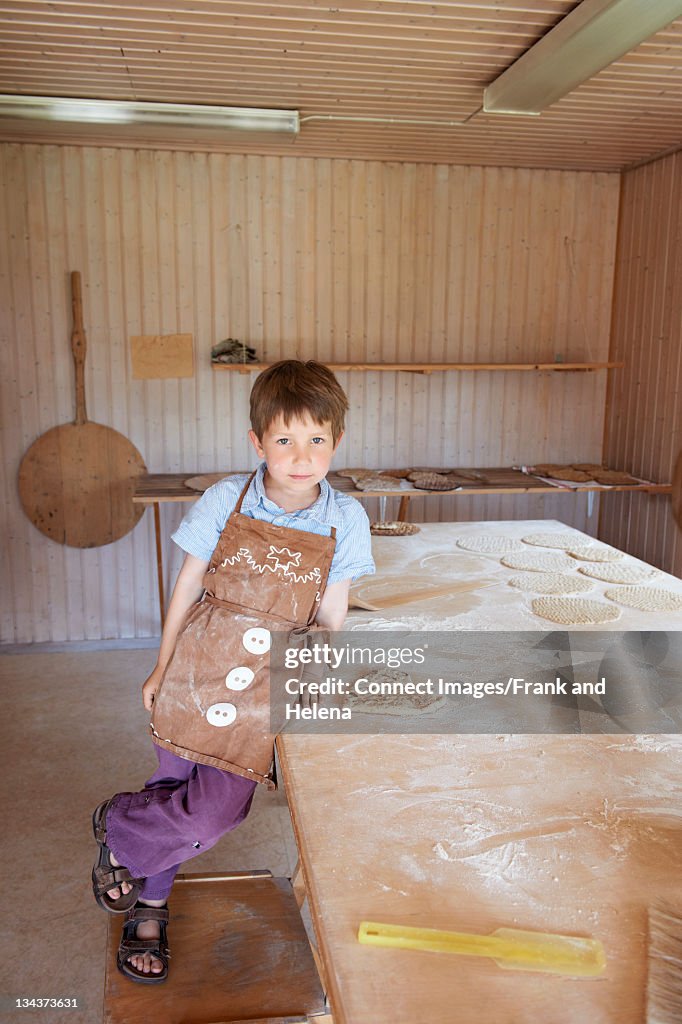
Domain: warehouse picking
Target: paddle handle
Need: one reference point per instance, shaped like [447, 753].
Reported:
[79, 346]
[677, 491]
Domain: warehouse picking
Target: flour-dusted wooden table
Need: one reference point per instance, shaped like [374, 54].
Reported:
[156, 489]
[572, 834]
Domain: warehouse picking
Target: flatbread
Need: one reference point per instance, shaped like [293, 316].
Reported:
[576, 476]
[550, 583]
[551, 540]
[595, 553]
[646, 599]
[538, 561]
[434, 482]
[488, 544]
[546, 468]
[574, 611]
[392, 528]
[356, 474]
[616, 572]
[377, 483]
[400, 473]
[614, 477]
[421, 470]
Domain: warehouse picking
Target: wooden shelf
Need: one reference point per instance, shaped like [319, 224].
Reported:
[161, 487]
[433, 367]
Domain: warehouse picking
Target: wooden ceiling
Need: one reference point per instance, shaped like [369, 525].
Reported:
[335, 61]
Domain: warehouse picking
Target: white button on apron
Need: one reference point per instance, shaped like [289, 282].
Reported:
[239, 678]
[221, 714]
[257, 640]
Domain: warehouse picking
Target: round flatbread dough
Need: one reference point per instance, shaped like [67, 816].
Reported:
[646, 599]
[574, 611]
[551, 540]
[453, 563]
[538, 561]
[550, 583]
[616, 572]
[595, 553]
[487, 544]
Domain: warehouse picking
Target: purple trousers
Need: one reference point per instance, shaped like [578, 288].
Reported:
[183, 810]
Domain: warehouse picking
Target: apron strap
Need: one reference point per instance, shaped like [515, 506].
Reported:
[238, 506]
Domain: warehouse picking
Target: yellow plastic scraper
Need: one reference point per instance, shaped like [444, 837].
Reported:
[508, 947]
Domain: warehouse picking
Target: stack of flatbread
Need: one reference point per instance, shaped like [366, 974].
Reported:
[582, 473]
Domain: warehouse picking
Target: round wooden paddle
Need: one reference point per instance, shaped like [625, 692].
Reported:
[76, 481]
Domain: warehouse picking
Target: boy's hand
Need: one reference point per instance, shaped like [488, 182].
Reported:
[150, 687]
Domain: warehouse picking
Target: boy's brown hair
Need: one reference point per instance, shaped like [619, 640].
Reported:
[294, 389]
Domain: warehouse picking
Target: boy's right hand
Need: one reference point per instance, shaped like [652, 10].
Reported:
[150, 687]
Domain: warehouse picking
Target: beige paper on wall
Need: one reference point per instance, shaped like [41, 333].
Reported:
[158, 356]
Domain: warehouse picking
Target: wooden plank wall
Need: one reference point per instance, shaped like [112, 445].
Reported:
[644, 425]
[300, 257]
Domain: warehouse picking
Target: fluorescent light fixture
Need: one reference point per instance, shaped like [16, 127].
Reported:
[592, 36]
[183, 115]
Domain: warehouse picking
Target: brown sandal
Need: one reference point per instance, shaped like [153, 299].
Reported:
[105, 876]
[132, 946]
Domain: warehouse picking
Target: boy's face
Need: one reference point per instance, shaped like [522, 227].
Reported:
[298, 454]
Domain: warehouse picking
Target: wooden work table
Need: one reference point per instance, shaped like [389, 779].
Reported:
[155, 489]
[564, 834]
[559, 833]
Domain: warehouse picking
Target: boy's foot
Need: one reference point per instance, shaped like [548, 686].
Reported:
[143, 953]
[112, 884]
[146, 962]
[126, 887]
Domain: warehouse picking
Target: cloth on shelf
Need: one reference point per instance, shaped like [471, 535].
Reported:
[232, 351]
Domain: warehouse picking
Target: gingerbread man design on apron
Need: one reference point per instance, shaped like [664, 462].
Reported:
[213, 704]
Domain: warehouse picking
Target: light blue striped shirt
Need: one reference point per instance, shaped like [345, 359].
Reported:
[199, 531]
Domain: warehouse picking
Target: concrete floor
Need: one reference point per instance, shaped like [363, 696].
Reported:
[73, 731]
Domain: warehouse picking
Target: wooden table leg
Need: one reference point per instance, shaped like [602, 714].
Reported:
[159, 562]
[402, 510]
[298, 884]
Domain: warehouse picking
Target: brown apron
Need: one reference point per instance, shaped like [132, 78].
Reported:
[213, 704]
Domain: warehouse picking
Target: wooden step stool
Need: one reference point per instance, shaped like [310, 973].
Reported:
[239, 952]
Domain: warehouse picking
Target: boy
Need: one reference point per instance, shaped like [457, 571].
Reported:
[277, 549]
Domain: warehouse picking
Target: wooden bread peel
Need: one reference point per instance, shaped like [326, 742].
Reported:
[677, 492]
[76, 481]
[416, 596]
[206, 480]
